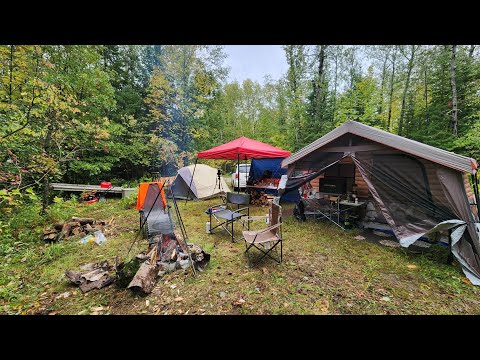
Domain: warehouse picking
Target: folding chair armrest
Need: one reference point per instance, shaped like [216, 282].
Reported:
[259, 217]
[270, 228]
[241, 209]
[214, 206]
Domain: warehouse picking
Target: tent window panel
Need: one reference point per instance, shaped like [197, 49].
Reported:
[403, 185]
[338, 179]
[341, 170]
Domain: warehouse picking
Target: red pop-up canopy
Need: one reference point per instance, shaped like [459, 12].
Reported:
[243, 148]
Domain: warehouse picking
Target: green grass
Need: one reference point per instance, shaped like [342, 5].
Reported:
[325, 271]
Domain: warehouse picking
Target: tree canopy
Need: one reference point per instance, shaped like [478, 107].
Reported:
[84, 113]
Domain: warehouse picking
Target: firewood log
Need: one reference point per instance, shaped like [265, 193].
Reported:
[58, 226]
[82, 221]
[67, 228]
[49, 231]
[145, 277]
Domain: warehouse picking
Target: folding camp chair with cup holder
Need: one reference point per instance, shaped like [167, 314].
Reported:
[265, 239]
[226, 216]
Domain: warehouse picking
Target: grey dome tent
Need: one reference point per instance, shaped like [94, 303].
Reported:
[204, 185]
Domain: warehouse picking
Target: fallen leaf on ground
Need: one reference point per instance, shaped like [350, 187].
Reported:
[410, 266]
[385, 298]
[322, 306]
[222, 294]
[147, 303]
[24, 259]
[265, 271]
[53, 313]
[359, 237]
[178, 298]
[466, 281]
[96, 308]
[227, 282]
[239, 302]
[63, 295]
[173, 286]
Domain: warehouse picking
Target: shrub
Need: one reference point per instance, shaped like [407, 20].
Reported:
[129, 201]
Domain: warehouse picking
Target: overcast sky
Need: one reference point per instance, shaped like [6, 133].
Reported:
[255, 61]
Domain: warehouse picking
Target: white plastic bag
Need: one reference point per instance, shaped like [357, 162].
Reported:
[99, 237]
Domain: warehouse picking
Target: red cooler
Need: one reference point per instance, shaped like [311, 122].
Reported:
[105, 184]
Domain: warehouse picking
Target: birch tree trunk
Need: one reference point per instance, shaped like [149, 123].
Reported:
[453, 79]
[382, 87]
[425, 95]
[10, 91]
[319, 83]
[335, 87]
[470, 51]
[405, 89]
[392, 77]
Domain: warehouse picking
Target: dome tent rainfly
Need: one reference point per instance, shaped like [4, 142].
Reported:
[204, 186]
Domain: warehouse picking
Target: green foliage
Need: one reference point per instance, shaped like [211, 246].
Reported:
[129, 202]
[52, 252]
[181, 88]
[87, 113]
[61, 210]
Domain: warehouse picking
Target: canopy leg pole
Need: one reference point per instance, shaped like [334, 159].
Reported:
[246, 175]
[238, 169]
[450, 254]
[191, 180]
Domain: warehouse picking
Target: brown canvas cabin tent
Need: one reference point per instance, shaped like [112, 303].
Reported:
[418, 189]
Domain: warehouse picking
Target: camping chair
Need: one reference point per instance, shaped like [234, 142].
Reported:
[266, 239]
[225, 216]
[156, 211]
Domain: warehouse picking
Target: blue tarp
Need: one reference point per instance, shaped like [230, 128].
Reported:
[259, 167]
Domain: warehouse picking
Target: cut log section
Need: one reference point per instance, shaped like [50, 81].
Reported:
[144, 279]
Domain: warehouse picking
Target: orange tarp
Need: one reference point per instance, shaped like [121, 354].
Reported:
[142, 193]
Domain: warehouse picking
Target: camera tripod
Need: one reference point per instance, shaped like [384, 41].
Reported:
[218, 183]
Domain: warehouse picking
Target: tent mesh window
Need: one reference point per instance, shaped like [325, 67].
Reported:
[404, 187]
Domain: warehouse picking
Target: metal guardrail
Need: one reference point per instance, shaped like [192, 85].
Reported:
[81, 187]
